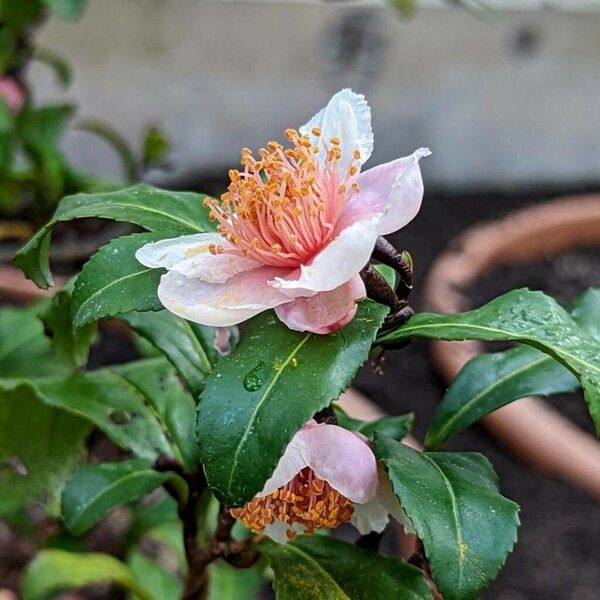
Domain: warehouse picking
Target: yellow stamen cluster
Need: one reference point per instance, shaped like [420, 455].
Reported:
[283, 206]
[307, 500]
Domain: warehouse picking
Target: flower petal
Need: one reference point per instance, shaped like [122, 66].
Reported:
[394, 189]
[190, 256]
[371, 516]
[220, 304]
[327, 311]
[347, 116]
[336, 455]
[341, 458]
[337, 263]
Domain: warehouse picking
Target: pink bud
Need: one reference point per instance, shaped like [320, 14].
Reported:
[12, 93]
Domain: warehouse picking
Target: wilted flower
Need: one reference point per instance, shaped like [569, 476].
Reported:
[326, 476]
[295, 227]
[12, 93]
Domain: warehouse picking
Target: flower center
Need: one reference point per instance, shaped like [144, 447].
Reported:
[306, 500]
[283, 207]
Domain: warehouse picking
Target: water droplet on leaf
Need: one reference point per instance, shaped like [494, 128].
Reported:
[254, 379]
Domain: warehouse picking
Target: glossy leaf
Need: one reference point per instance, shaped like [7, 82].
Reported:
[158, 582]
[190, 347]
[52, 571]
[490, 381]
[173, 213]
[524, 316]
[395, 427]
[586, 312]
[113, 282]
[275, 380]
[317, 567]
[94, 490]
[452, 501]
[24, 349]
[39, 448]
[71, 345]
[175, 407]
[108, 401]
[228, 583]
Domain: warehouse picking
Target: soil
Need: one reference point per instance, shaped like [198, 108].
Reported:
[557, 555]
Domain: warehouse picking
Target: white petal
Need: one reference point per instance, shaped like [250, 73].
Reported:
[220, 304]
[387, 498]
[337, 263]
[347, 116]
[190, 256]
[277, 531]
[394, 189]
[372, 516]
[291, 463]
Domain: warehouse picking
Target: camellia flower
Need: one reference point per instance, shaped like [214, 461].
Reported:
[295, 227]
[12, 93]
[326, 476]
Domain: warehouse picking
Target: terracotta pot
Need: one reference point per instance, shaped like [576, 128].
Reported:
[529, 427]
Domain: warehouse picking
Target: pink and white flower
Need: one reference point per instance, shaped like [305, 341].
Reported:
[295, 227]
[326, 476]
[12, 93]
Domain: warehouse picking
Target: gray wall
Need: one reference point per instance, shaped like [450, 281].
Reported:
[502, 99]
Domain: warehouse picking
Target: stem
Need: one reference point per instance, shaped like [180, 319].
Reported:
[386, 253]
[378, 288]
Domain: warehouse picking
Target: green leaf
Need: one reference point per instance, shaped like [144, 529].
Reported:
[257, 398]
[39, 448]
[117, 142]
[396, 427]
[67, 9]
[52, 571]
[155, 146]
[113, 281]
[43, 127]
[190, 347]
[60, 67]
[94, 490]
[175, 407]
[174, 213]
[228, 583]
[490, 381]
[71, 345]
[107, 400]
[317, 567]
[452, 500]
[24, 349]
[153, 578]
[524, 316]
[586, 312]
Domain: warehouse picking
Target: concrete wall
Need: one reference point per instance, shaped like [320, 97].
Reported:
[502, 99]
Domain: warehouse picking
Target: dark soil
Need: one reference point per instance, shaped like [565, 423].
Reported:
[558, 554]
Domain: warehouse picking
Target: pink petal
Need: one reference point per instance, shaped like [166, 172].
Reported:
[190, 256]
[341, 458]
[220, 304]
[394, 189]
[337, 263]
[326, 312]
[347, 116]
[12, 93]
[336, 455]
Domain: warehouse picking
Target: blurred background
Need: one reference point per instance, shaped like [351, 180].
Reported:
[506, 93]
